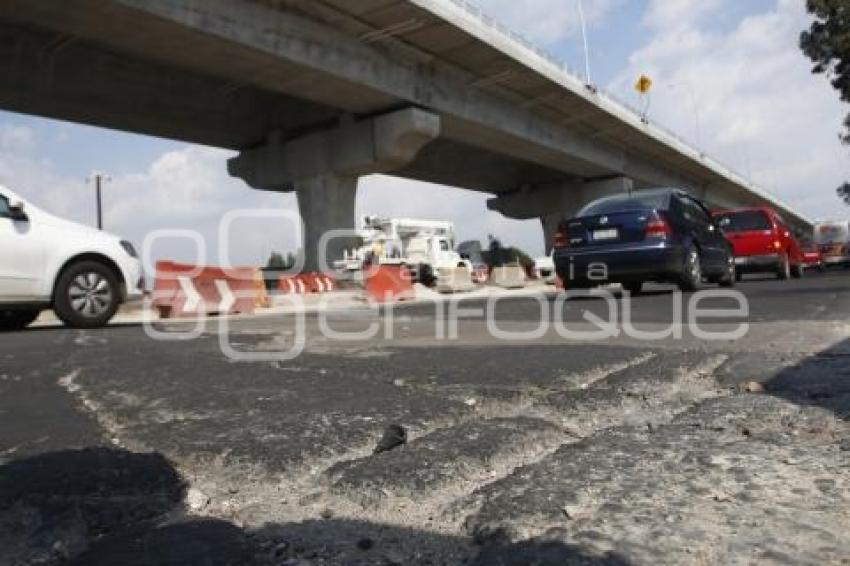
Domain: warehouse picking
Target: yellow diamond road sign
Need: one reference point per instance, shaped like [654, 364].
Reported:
[643, 84]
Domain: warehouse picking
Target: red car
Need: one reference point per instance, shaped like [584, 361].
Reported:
[762, 241]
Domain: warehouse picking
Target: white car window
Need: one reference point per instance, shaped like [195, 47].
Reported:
[4, 208]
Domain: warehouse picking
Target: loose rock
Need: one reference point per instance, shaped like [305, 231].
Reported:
[751, 387]
[394, 436]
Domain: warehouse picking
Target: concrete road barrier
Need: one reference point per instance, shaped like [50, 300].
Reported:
[509, 277]
[455, 280]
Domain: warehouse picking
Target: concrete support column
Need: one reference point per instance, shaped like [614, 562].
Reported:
[323, 168]
[326, 202]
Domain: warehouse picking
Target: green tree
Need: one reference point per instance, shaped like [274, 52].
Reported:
[827, 44]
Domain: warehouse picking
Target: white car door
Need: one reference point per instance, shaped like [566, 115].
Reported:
[22, 254]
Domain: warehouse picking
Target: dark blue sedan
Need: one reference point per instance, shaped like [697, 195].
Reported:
[658, 235]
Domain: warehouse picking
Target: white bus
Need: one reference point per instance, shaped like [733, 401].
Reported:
[833, 241]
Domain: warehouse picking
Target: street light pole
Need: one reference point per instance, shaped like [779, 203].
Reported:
[584, 38]
[98, 179]
[695, 104]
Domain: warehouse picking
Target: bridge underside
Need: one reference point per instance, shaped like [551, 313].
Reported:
[64, 77]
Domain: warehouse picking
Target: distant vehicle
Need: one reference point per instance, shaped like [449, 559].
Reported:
[544, 269]
[833, 241]
[46, 262]
[812, 258]
[762, 241]
[659, 235]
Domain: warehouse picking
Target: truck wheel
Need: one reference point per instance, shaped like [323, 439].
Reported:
[87, 295]
[426, 275]
[17, 319]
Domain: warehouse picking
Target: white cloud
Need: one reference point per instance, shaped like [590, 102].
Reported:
[22, 170]
[547, 21]
[673, 14]
[750, 93]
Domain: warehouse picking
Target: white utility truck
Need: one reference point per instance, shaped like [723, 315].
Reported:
[426, 247]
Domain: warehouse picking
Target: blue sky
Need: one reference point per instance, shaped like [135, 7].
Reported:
[758, 109]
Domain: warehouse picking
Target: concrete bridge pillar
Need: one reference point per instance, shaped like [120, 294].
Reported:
[323, 169]
[552, 203]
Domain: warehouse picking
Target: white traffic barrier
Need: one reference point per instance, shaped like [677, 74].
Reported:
[509, 277]
[455, 280]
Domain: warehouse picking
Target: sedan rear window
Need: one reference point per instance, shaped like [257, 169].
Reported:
[627, 203]
[744, 221]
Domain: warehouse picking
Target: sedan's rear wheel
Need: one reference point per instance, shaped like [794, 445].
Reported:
[798, 271]
[731, 276]
[87, 295]
[11, 320]
[691, 277]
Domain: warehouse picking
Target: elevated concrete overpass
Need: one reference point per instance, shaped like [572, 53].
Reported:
[316, 93]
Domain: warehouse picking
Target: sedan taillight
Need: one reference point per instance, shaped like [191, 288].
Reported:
[658, 227]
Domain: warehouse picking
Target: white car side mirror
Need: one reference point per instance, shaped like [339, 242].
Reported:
[17, 210]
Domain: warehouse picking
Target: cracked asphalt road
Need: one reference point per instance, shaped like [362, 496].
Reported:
[117, 448]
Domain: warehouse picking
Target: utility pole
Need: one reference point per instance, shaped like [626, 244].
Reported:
[584, 38]
[98, 179]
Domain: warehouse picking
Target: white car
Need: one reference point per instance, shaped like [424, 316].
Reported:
[46, 262]
[544, 269]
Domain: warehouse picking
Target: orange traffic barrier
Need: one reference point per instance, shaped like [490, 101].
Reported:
[306, 283]
[291, 285]
[389, 283]
[182, 290]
